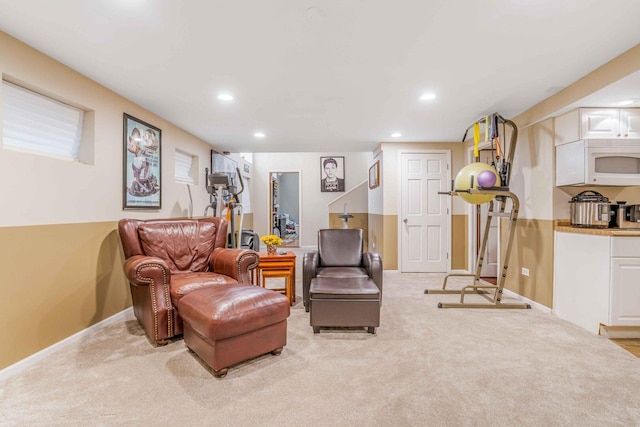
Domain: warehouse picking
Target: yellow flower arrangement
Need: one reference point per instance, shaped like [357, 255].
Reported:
[271, 240]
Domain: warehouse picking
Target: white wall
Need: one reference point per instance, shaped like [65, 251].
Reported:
[391, 168]
[39, 190]
[532, 174]
[375, 195]
[356, 200]
[314, 205]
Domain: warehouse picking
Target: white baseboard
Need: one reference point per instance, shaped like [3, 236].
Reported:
[20, 366]
[619, 332]
[533, 304]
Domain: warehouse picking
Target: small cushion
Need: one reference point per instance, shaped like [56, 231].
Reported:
[346, 272]
[185, 283]
[332, 288]
[226, 311]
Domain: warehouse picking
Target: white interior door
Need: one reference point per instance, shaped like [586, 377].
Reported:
[424, 212]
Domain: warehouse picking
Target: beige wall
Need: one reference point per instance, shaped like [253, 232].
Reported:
[375, 234]
[56, 281]
[532, 249]
[459, 239]
[359, 220]
[60, 256]
[390, 242]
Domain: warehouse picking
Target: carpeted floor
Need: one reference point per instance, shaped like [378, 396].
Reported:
[425, 366]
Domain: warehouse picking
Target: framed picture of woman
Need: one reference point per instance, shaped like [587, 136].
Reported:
[141, 169]
[331, 174]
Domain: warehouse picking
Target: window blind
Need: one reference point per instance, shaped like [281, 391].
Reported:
[183, 164]
[36, 123]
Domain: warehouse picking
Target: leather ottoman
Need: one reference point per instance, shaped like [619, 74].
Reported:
[228, 324]
[344, 302]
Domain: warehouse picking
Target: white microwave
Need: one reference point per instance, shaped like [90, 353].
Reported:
[598, 162]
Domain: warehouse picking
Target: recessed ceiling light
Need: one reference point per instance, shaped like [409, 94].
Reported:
[225, 97]
[259, 135]
[625, 102]
[396, 135]
[427, 96]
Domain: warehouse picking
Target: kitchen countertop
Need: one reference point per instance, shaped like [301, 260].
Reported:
[565, 226]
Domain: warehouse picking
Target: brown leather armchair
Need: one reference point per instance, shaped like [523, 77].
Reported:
[340, 256]
[169, 258]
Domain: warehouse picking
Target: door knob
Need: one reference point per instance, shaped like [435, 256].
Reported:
[405, 220]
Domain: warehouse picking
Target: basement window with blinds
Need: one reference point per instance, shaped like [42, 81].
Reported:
[185, 167]
[35, 123]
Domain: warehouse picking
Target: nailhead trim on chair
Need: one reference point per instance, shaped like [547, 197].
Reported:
[254, 265]
[166, 294]
[153, 299]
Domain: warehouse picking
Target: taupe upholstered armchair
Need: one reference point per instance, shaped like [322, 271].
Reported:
[340, 255]
[169, 258]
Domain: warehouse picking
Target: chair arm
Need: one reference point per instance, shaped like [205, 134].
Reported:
[142, 270]
[372, 262]
[310, 262]
[156, 313]
[234, 263]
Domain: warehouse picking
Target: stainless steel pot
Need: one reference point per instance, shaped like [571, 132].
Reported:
[589, 209]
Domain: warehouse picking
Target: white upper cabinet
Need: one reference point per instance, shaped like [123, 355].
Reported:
[630, 122]
[597, 123]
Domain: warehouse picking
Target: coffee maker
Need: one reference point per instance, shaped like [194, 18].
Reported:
[624, 216]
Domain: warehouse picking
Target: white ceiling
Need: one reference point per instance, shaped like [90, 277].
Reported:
[328, 75]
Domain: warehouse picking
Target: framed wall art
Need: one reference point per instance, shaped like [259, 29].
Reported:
[141, 171]
[374, 175]
[331, 174]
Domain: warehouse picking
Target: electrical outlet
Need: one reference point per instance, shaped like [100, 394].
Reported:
[525, 271]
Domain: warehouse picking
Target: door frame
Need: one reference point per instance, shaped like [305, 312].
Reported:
[471, 223]
[269, 199]
[401, 153]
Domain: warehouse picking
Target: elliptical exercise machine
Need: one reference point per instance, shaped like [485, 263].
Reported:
[224, 195]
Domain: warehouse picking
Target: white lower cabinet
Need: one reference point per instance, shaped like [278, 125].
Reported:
[625, 292]
[597, 280]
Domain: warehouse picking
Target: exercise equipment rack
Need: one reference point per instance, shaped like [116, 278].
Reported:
[491, 292]
[479, 286]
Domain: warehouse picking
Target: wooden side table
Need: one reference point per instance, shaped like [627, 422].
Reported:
[277, 266]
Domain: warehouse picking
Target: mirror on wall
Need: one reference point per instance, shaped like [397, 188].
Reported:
[284, 207]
